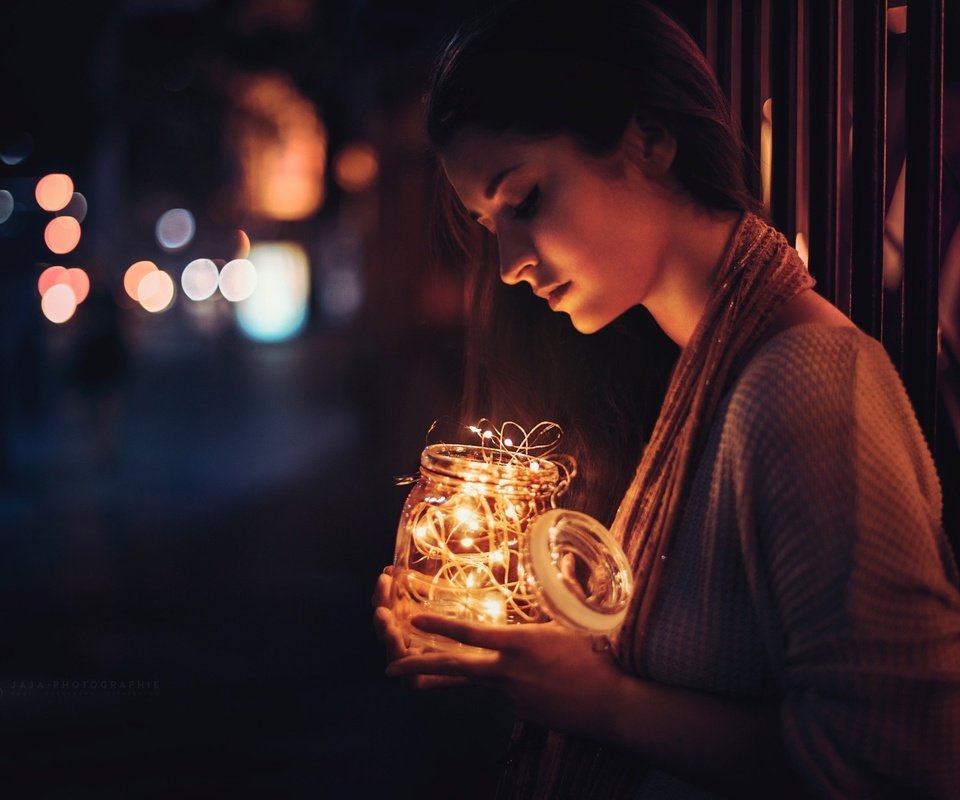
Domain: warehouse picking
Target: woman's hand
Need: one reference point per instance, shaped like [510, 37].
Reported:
[397, 644]
[550, 675]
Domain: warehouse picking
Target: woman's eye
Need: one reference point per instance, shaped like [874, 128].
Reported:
[528, 206]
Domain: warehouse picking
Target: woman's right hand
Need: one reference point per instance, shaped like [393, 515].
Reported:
[396, 643]
[384, 622]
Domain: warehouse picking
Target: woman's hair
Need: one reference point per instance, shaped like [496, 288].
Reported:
[543, 69]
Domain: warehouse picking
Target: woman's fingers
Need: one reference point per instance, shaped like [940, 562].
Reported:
[473, 666]
[490, 637]
[390, 633]
[383, 589]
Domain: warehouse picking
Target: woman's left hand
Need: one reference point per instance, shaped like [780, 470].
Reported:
[549, 674]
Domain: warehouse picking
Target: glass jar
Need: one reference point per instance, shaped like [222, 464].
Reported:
[479, 540]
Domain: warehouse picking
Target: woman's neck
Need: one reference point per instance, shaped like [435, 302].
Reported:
[699, 240]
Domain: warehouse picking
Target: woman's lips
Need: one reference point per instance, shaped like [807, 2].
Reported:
[557, 295]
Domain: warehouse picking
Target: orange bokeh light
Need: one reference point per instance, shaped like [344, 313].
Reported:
[285, 159]
[155, 291]
[54, 191]
[243, 245]
[51, 276]
[77, 280]
[134, 274]
[59, 303]
[62, 234]
[356, 167]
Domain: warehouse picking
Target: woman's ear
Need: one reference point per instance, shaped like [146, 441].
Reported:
[650, 146]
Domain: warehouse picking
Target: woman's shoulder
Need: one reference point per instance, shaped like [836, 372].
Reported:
[832, 384]
[816, 360]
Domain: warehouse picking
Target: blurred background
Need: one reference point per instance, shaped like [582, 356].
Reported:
[221, 337]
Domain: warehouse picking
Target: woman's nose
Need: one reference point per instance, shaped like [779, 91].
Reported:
[516, 255]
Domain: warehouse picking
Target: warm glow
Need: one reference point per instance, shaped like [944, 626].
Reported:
[175, 229]
[54, 192]
[766, 150]
[283, 148]
[59, 303]
[200, 279]
[79, 281]
[134, 274]
[802, 249]
[51, 276]
[495, 610]
[62, 234]
[155, 291]
[355, 167]
[243, 245]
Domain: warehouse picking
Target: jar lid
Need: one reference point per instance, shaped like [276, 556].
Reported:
[584, 579]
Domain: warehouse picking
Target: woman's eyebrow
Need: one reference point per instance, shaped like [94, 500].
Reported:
[494, 184]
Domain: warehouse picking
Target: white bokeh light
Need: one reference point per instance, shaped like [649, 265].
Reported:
[175, 229]
[58, 303]
[238, 279]
[199, 279]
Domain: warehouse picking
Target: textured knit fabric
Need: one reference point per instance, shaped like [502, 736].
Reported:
[758, 274]
[809, 569]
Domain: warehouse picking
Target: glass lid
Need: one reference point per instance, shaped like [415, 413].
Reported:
[583, 575]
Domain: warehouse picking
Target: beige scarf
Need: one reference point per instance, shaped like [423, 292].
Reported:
[758, 274]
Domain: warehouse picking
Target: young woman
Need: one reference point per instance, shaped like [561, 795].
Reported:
[796, 623]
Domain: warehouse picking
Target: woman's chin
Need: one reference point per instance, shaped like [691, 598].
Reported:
[587, 324]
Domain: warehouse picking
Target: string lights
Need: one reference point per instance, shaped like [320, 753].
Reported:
[463, 543]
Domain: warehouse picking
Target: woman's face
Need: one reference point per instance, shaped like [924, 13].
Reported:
[590, 236]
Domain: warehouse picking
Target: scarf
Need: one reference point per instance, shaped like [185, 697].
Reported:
[758, 274]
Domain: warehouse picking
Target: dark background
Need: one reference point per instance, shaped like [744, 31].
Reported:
[191, 522]
[202, 520]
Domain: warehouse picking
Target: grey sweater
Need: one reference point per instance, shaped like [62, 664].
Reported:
[809, 570]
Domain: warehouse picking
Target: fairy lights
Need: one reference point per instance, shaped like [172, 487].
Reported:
[460, 540]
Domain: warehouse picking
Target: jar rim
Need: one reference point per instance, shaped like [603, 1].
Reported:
[488, 465]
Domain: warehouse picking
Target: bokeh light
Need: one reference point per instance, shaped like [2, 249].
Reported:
[155, 291]
[77, 280]
[238, 279]
[54, 191]
[134, 274]
[342, 293]
[278, 309]
[59, 303]
[15, 148]
[200, 279]
[51, 276]
[243, 245]
[175, 229]
[62, 234]
[282, 144]
[356, 166]
[6, 205]
[77, 207]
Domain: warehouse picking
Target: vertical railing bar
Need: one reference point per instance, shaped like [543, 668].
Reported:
[751, 83]
[869, 161]
[822, 123]
[922, 219]
[783, 85]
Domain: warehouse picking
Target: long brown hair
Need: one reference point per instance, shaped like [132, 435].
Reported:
[542, 68]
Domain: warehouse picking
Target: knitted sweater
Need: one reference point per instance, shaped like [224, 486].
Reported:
[810, 569]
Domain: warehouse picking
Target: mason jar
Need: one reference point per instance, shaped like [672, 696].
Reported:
[480, 540]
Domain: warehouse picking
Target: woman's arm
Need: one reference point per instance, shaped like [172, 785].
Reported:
[557, 678]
